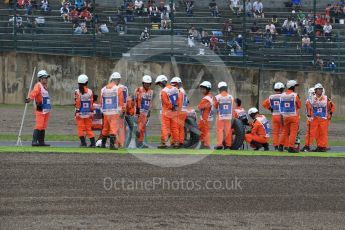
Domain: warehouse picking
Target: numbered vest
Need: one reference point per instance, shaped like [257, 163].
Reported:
[184, 100]
[210, 114]
[110, 103]
[225, 105]
[288, 104]
[275, 103]
[241, 113]
[125, 93]
[173, 94]
[46, 105]
[97, 120]
[320, 107]
[145, 100]
[85, 103]
[265, 123]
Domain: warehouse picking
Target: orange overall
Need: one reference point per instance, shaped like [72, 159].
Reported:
[169, 99]
[259, 131]
[206, 115]
[318, 109]
[42, 105]
[112, 104]
[289, 108]
[224, 103]
[84, 110]
[143, 106]
[272, 103]
[182, 114]
[122, 126]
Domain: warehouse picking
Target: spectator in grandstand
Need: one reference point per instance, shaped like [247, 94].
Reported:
[289, 26]
[227, 28]
[248, 8]
[154, 14]
[28, 8]
[319, 24]
[258, 9]
[18, 21]
[255, 31]
[79, 4]
[103, 28]
[145, 35]
[318, 62]
[130, 11]
[204, 37]
[139, 7]
[77, 29]
[191, 43]
[84, 27]
[268, 39]
[214, 43]
[45, 6]
[331, 66]
[88, 5]
[161, 7]
[306, 45]
[327, 30]
[29, 26]
[73, 16]
[194, 32]
[271, 27]
[189, 8]
[309, 28]
[213, 8]
[300, 17]
[296, 4]
[64, 11]
[85, 15]
[165, 20]
[234, 7]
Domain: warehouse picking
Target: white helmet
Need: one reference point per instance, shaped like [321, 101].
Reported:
[82, 79]
[253, 110]
[291, 83]
[176, 80]
[279, 85]
[114, 76]
[43, 73]
[99, 143]
[318, 86]
[222, 84]
[161, 78]
[311, 91]
[206, 84]
[147, 79]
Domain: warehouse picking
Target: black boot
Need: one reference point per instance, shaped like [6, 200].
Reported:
[82, 141]
[306, 149]
[266, 147]
[41, 137]
[92, 142]
[218, 147]
[281, 148]
[35, 138]
[257, 146]
[292, 150]
[104, 142]
[112, 142]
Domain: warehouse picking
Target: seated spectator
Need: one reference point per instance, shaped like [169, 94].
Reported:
[165, 20]
[139, 7]
[319, 24]
[248, 8]
[130, 11]
[154, 14]
[213, 8]
[227, 29]
[45, 6]
[327, 30]
[190, 41]
[18, 21]
[214, 43]
[194, 32]
[289, 27]
[255, 30]
[30, 26]
[328, 11]
[271, 27]
[84, 27]
[79, 4]
[268, 39]
[258, 9]
[77, 29]
[103, 28]
[332, 66]
[318, 62]
[85, 15]
[189, 8]
[28, 8]
[205, 38]
[64, 11]
[296, 4]
[73, 16]
[161, 7]
[234, 6]
[309, 28]
[300, 17]
[145, 35]
[306, 45]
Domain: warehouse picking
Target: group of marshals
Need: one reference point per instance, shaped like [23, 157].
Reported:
[118, 106]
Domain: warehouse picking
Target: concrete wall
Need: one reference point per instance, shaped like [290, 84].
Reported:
[251, 85]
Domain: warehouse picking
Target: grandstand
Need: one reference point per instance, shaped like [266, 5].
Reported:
[57, 37]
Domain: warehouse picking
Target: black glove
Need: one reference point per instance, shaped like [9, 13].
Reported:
[148, 114]
[27, 100]
[174, 108]
[137, 111]
[39, 107]
[271, 110]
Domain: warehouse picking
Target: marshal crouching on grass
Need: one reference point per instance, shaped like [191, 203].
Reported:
[41, 99]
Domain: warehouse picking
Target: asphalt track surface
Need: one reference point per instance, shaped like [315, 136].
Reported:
[111, 191]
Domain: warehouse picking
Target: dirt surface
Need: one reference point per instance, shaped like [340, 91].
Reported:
[73, 191]
[62, 122]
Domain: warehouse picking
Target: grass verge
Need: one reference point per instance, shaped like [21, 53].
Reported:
[159, 151]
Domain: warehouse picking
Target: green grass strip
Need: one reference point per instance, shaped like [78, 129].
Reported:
[14, 149]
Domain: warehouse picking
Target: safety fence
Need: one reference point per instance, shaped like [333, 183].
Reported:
[189, 37]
